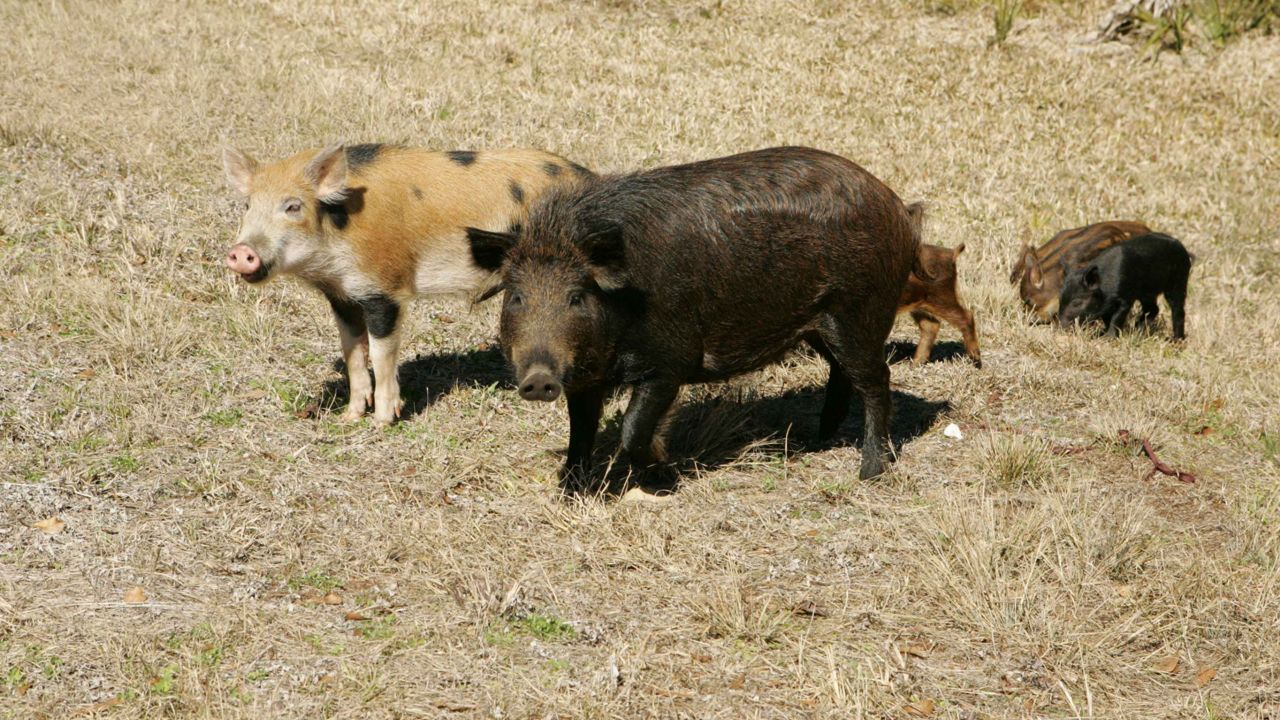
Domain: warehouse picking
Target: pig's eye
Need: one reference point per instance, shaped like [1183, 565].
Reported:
[292, 206]
[575, 299]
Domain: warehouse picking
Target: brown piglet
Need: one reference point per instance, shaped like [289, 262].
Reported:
[934, 298]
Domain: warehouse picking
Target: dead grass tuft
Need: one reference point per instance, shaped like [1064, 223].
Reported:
[181, 427]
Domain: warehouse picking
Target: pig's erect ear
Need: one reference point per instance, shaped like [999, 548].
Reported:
[1092, 278]
[1037, 275]
[327, 173]
[607, 254]
[489, 248]
[240, 168]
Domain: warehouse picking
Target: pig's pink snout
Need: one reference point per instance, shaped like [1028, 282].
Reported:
[243, 260]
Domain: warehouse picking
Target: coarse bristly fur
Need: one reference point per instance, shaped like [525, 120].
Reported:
[699, 273]
[171, 428]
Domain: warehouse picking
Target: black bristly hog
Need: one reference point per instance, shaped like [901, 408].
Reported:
[1135, 271]
[697, 273]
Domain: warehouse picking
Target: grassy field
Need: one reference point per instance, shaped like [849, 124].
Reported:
[186, 530]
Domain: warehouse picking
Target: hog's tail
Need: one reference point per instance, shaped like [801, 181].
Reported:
[915, 212]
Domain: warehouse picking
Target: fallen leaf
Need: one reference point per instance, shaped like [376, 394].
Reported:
[409, 471]
[1029, 705]
[51, 525]
[700, 657]
[22, 689]
[308, 412]
[1169, 665]
[810, 609]
[446, 319]
[1205, 431]
[135, 595]
[87, 374]
[354, 616]
[919, 650]
[738, 682]
[1205, 676]
[332, 598]
[920, 708]
[99, 706]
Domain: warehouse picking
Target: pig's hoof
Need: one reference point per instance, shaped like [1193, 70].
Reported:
[352, 414]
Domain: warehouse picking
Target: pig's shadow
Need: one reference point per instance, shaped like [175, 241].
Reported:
[427, 378]
[898, 351]
[709, 431]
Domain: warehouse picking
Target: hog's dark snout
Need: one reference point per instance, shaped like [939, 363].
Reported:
[540, 384]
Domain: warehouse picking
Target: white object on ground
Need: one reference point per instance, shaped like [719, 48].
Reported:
[953, 431]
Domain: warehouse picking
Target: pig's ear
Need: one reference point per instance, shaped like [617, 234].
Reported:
[1037, 275]
[1092, 278]
[489, 248]
[239, 168]
[327, 173]
[607, 255]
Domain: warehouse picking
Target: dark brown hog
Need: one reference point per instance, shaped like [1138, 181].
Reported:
[1038, 272]
[697, 273]
[933, 298]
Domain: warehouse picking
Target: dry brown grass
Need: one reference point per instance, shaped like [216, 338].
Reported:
[1026, 571]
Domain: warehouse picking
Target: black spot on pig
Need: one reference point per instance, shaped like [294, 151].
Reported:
[360, 155]
[551, 169]
[336, 213]
[417, 192]
[517, 192]
[348, 311]
[462, 157]
[381, 314]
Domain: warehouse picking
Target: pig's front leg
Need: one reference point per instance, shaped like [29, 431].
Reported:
[355, 346]
[584, 418]
[1118, 317]
[649, 404]
[382, 314]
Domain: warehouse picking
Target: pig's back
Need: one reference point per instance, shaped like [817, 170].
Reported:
[781, 217]
[743, 255]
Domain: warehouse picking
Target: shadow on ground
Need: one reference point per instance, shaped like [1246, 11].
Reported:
[427, 378]
[898, 351]
[709, 431]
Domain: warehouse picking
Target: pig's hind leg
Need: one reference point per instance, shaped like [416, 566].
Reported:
[1150, 311]
[1177, 300]
[835, 405]
[1176, 296]
[857, 343]
[929, 326]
